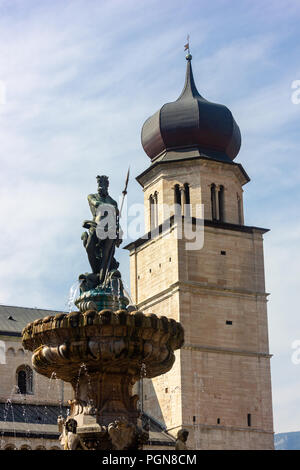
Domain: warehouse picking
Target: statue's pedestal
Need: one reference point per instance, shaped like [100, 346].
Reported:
[103, 298]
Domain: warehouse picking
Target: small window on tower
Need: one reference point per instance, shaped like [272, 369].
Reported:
[228, 322]
[249, 419]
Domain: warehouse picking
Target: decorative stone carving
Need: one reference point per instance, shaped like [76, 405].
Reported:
[101, 354]
[182, 436]
[68, 438]
[121, 433]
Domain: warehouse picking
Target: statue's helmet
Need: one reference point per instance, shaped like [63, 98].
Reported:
[182, 434]
[71, 425]
[102, 180]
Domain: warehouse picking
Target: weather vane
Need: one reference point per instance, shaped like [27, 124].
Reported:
[187, 45]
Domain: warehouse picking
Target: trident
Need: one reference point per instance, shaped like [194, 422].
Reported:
[124, 192]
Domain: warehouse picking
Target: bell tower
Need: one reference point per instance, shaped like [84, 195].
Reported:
[201, 265]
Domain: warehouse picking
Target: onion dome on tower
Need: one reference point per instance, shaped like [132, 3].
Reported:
[191, 123]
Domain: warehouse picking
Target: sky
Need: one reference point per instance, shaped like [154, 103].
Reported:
[78, 78]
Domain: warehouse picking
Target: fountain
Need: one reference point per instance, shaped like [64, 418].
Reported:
[102, 348]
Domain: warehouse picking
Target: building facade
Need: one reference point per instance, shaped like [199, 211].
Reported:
[29, 402]
[220, 385]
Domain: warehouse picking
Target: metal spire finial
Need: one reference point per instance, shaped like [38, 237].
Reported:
[187, 48]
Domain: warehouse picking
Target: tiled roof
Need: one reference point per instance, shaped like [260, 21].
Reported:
[14, 319]
[157, 433]
[12, 415]
[37, 414]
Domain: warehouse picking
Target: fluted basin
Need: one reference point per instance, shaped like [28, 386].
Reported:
[101, 354]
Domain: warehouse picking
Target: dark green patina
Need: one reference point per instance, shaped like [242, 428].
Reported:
[103, 286]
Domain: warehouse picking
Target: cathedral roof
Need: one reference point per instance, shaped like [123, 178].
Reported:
[192, 122]
[14, 319]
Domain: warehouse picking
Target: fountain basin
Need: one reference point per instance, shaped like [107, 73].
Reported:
[101, 354]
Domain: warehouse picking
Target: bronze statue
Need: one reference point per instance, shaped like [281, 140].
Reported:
[103, 287]
[103, 235]
[181, 439]
[69, 438]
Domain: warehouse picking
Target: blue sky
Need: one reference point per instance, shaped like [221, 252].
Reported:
[80, 78]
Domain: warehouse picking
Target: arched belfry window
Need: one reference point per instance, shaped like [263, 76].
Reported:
[177, 199]
[187, 200]
[25, 380]
[240, 211]
[153, 202]
[182, 199]
[151, 211]
[177, 194]
[156, 209]
[221, 203]
[213, 197]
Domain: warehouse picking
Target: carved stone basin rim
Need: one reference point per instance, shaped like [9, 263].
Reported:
[106, 341]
